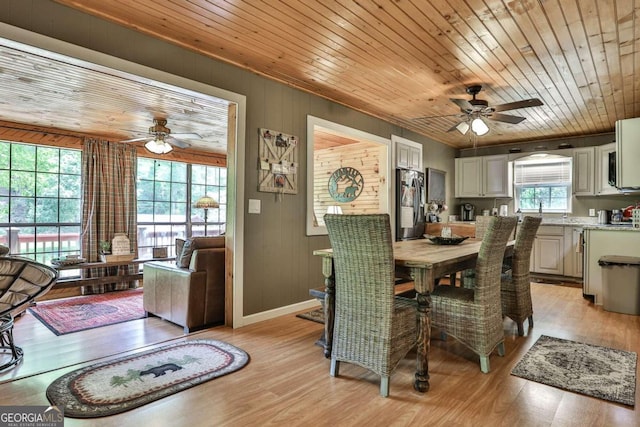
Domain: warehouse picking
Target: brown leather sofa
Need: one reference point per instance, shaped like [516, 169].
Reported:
[190, 291]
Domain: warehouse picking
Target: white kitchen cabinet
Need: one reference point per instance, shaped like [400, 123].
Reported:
[602, 170]
[468, 177]
[627, 153]
[584, 171]
[487, 176]
[601, 242]
[408, 155]
[573, 252]
[547, 256]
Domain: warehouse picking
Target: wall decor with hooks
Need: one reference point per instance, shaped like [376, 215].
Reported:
[278, 162]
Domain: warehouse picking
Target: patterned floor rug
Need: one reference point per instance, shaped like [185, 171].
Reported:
[316, 315]
[592, 370]
[129, 382]
[91, 311]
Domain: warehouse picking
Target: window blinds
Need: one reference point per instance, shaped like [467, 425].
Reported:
[547, 171]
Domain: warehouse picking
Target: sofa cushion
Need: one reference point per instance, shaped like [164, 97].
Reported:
[194, 243]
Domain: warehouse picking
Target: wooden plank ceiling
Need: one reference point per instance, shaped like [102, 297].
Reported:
[403, 60]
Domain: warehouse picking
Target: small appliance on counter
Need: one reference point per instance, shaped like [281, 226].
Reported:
[616, 216]
[467, 212]
[604, 217]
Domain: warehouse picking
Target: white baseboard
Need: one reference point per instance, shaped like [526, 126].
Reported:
[280, 311]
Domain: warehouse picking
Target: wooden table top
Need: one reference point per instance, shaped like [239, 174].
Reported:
[423, 253]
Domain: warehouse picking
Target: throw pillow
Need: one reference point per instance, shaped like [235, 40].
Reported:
[179, 247]
[185, 256]
[194, 243]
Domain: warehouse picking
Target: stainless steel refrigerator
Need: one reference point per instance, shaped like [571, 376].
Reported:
[409, 204]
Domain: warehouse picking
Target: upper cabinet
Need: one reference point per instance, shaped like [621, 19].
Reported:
[584, 171]
[602, 170]
[627, 154]
[408, 154]
[487, 176]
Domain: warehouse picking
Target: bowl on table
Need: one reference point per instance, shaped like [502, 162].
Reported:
[453, 240]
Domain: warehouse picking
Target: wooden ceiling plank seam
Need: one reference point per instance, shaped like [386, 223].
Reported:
[572, 55]
[557, 60]
[411, 34]
[541, 57]
[511, 37]
[624, 19]
[534, 115]
[377, 86]
[187, 40]
[583, 48]
[475, 57]
[365, 48]
[459, 5]
[330, 82]
[591, 21]
[381, 67]
[611, 43]
[570, 69]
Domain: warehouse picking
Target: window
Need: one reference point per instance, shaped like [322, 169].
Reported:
[543, 179]
[166, 194]
[40, 200]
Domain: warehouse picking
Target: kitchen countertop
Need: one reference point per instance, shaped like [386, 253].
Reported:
[586, 222]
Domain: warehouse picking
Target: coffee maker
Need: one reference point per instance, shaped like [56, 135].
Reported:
[467, 212]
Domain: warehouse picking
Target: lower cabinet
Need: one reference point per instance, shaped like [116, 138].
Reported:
[573, 252]
[547, 253]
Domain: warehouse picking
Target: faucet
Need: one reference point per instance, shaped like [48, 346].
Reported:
[540, 209]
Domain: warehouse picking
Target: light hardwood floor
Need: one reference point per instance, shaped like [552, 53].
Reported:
[287, 381]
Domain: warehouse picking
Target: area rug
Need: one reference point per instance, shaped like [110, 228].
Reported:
[87, 312]
[316, 315]
[592, 370]
[129, 382]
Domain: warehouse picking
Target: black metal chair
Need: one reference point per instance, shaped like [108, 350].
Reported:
[21, 281]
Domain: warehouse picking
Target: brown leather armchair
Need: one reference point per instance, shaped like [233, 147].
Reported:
[190, 291]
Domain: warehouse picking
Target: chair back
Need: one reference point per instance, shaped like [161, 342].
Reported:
[490, 257]
[482, 222]
[364, 277]
[21, 281]
[524, 245]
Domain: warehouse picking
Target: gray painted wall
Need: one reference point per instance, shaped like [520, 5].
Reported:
[279, 269]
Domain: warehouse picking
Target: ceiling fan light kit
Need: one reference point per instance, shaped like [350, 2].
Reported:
[475, 111]
[160, 136]
[479, 126]
[158, 146]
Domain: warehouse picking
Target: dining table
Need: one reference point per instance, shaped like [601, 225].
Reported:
[425, 262]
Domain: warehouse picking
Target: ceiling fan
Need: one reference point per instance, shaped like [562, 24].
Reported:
[160, 139]
[474, 111]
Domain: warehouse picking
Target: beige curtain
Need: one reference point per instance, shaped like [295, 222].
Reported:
[109, 205]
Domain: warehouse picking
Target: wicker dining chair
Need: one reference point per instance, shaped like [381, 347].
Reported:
[372, 328]
[474, 316]
[515, 289]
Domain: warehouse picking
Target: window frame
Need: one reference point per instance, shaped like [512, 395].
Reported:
[45, 240]
[548, 182]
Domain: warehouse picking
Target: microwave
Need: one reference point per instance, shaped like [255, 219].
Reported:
[612, 169]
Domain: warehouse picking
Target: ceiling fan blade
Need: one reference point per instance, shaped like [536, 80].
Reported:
[506, 118]
[533, 102]
[177, 142]
[146, 138]
[186, 135]
[462, 103]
